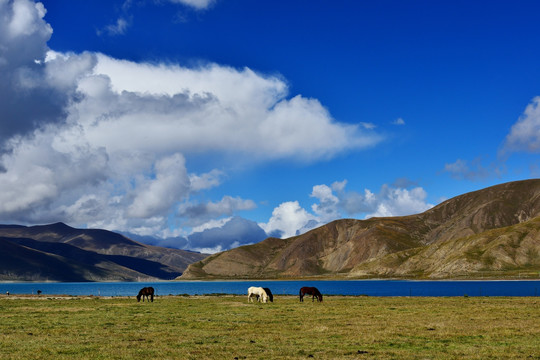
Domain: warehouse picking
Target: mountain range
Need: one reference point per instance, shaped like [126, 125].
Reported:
[493, 232]
[58, 252]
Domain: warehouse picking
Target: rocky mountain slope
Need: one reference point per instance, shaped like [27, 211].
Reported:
[58, 252]
[491, 232]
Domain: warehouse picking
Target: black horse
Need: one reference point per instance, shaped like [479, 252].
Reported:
[146, 292]
[269, 293]
[310, 291]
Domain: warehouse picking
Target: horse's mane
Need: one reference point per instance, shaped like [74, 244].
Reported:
[269, 294]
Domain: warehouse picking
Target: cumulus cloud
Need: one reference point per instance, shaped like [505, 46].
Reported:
[391, 200]
[169, 185]
[198, 213]
[326, 209]
[104, 142]
[27, 99]
[397, 202]
[334, 202]
[206, 181]
[287, 219]
[524, 135]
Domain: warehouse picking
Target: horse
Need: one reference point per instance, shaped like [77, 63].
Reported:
[257, 292]
[310, 291]
[145, 292]
[269, 293]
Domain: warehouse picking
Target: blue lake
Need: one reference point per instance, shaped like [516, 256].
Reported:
[327, 287]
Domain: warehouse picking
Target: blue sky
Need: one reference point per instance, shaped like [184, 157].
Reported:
[164, 118]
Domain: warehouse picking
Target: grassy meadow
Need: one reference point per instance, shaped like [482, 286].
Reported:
[227, 327]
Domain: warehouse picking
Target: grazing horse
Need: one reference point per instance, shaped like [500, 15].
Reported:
[257, 292]
[310, 291]
[269, 293]
[145, 292]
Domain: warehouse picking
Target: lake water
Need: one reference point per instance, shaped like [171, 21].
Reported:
[327, 287]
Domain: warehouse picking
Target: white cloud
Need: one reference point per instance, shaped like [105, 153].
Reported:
[525, 133]
[197, 213]
[287, 219]
[25, 98]
[369, 126]
[390, 201]
[474, 170]
[197, 4]
[102, 142]
[26, 19]
[169, 185]
[216, 108]
[118, 28]
[327, 208]
[228, 234]
[125, 19]
[206, 181]
[212, 224]
[398, 121]
[399, 202]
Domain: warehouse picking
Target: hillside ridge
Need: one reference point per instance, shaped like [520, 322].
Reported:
[362, 248]
[58, 252]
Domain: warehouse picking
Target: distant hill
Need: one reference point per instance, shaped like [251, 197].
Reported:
[491, 232]
[58, 252]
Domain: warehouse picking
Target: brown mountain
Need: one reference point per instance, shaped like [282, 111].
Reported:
[58, 252]
[490, 232]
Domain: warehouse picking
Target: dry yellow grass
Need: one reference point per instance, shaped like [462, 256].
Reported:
[215, 327]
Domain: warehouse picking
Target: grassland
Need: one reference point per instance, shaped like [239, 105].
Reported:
[227, 327]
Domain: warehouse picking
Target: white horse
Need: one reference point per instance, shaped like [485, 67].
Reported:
[257, 292]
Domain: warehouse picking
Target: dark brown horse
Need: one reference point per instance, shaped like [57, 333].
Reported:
[310, 291]
[269, 293]
[146, 292]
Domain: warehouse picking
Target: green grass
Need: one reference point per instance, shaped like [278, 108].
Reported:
[227, 327]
